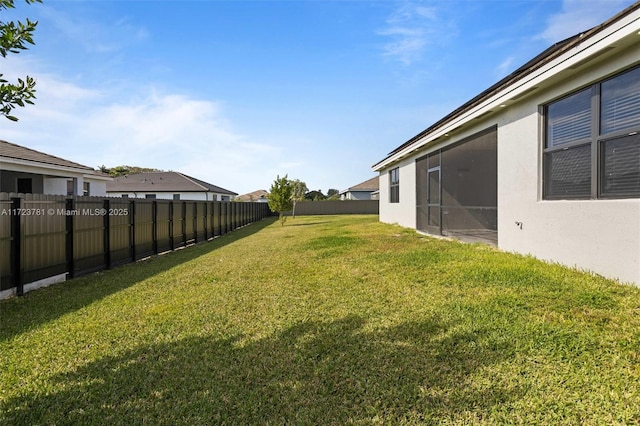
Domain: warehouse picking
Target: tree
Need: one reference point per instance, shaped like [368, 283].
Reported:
[299, 190]
[333, 194]
[126, 170]
[280, 197]
[315, 195]
[14, 37]
[119, 171]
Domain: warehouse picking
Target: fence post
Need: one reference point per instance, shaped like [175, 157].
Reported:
[232, 207]
[230, 218]
[69, 208]
[16, 245]
[223, 218]
[243, 214]
[132, 229]
[107, 233]
[154, 228]
[227, 215]
[184, 223]
[194, 219]
[215, 218]
[204, 220]
[217, 229]
[171, 243]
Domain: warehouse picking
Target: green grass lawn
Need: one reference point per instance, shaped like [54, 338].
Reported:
[327, 320]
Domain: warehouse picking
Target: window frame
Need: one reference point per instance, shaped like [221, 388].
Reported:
[595, 141]
[394, 185]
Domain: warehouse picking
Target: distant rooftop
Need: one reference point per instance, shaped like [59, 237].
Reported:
[163, 182]
[253, 196]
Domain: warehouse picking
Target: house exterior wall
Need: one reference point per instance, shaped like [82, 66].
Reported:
[50, 181]
[55, 186]
[357, 195]
[402, 213]
[98, 187]
[9, 179]
[598, 235]
[58, 186]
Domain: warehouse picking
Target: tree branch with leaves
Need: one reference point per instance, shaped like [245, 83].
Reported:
[14, 38]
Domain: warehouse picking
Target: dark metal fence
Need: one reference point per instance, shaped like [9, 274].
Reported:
[336, 207]
[42, 236]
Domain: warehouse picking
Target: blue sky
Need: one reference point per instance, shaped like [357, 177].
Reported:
[237, 92]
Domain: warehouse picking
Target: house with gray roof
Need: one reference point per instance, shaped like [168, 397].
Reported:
[545, 162]
[367, 190]
[166, 186]
[25, 170]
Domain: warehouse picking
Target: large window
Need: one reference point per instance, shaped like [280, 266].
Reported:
[592, 146]
[394, 185]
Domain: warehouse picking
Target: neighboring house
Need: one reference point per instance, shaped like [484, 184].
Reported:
[362, 191]
[26, 170]
[259, 196]
[545, 162]
[166, 186]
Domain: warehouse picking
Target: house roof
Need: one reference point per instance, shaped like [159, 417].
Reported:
[548, 55]
[18, 152]
[162, 182]
[251, 196]
[372, 184]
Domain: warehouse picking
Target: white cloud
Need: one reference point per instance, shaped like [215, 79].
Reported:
[149, 128]
[174, 132]
[579, 15]
[411, 29]
[57, 101]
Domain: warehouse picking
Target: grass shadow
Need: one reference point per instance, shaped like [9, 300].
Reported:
[46, 304]
[313, 372]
